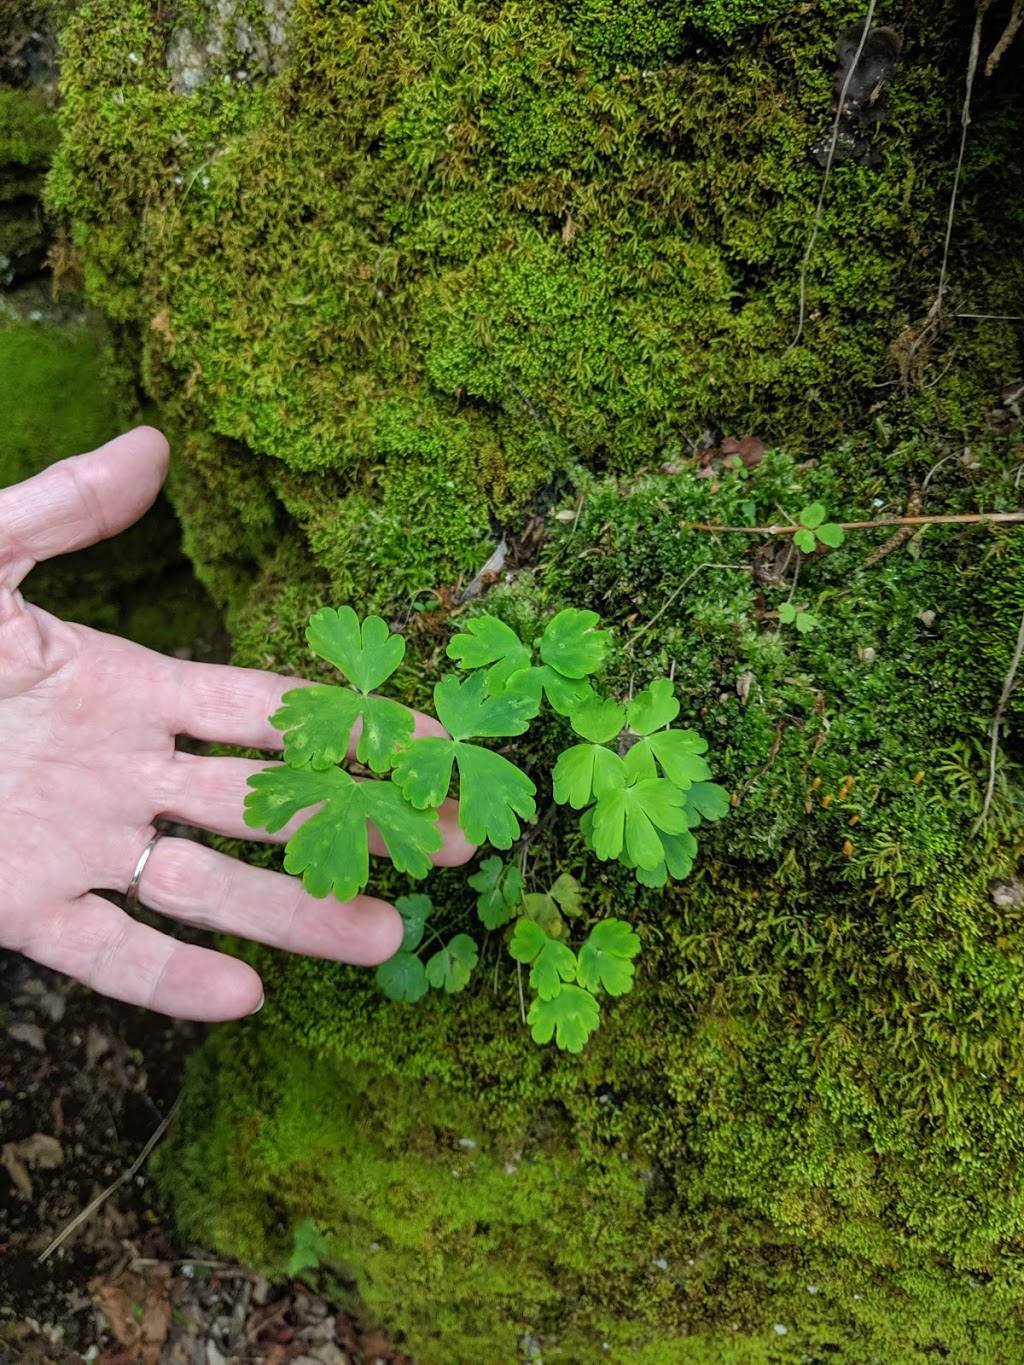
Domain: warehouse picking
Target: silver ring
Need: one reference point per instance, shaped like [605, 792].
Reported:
[131, 896]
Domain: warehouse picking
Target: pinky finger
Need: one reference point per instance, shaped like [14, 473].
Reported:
[98, 944]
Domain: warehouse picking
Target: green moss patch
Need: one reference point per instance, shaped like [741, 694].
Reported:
[456, 275]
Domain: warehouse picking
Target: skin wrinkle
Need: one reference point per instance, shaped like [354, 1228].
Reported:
[154, 992]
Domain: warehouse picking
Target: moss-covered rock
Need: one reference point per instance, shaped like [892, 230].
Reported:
[65, 393]
[450, 270]
[815, 1081]
[28, 136]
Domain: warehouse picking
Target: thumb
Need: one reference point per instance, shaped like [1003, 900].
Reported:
[79, 501]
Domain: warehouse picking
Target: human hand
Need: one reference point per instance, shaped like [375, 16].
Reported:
[87, 730]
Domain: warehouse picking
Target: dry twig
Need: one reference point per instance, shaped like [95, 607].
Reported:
[1004, 697]
[819, 211]
[1006, 37]
[122, 1179]
[963, 519]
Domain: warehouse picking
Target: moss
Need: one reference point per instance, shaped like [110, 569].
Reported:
[137, 585]
[485, 252]
[816, 1081]
[449, 271]
[28, 136]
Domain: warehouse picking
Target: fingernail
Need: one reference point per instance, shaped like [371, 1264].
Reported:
[259, 1006]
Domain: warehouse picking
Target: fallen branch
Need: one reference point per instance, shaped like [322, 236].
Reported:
[1009, 33]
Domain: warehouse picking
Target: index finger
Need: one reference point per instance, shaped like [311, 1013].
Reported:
[76, 502]
[223, 704]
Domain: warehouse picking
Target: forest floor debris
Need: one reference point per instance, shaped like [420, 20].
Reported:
[84, 1082]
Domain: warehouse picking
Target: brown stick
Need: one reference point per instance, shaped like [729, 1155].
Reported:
[1009, 33]
[856, 525]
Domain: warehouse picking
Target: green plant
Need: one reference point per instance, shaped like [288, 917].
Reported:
[640, 802]
[815, 530]
[800, 617]
[308, 1247]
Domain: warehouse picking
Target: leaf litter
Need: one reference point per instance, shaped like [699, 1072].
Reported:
[84, 1082]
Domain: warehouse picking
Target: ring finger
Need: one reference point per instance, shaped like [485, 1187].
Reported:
[202, 887]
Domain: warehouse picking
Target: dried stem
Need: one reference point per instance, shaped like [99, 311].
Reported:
[1004, 697]
[122, 1179]
[967, 517]
[818, 212]
[965, 123]
[1006, 38]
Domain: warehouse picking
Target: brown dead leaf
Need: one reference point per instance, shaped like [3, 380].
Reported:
[39, 1150]
[138, 1311]
[156, 1314]
[17, 1170]
[119, 1303]
[750, 450]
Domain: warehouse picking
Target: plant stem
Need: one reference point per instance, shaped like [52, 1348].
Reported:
[971, 517]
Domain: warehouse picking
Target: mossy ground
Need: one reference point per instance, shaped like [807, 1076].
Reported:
[455, 268]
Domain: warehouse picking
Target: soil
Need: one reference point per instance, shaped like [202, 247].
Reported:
[85, 1082]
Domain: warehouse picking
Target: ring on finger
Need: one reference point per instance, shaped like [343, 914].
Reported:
[131, 898]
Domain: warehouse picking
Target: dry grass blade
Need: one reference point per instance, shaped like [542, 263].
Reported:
[122, 1179]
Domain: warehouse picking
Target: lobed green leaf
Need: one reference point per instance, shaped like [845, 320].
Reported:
[653, 708]
[318, 723]
[452, 966]
[403, 977]
[586, 771]
[415, 911]
[606, 957]
[570, 1017]
[634, 817]
[330, 850]
[367, 654]
[466, 711]
[572, 645]
[488, 641]
[500, 887]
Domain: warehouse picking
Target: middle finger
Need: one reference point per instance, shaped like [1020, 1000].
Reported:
[210, 793]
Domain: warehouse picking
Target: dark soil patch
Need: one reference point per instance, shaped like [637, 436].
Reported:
[84, 1084]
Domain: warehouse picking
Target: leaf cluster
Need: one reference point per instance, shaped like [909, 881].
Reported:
[815, 530]
[640, 800]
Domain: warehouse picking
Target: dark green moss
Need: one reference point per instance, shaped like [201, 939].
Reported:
[65, 393]
[28, 136]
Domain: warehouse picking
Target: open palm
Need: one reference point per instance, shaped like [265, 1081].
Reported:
[87, 737]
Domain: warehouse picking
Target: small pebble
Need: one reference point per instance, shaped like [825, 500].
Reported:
[29, 1034]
